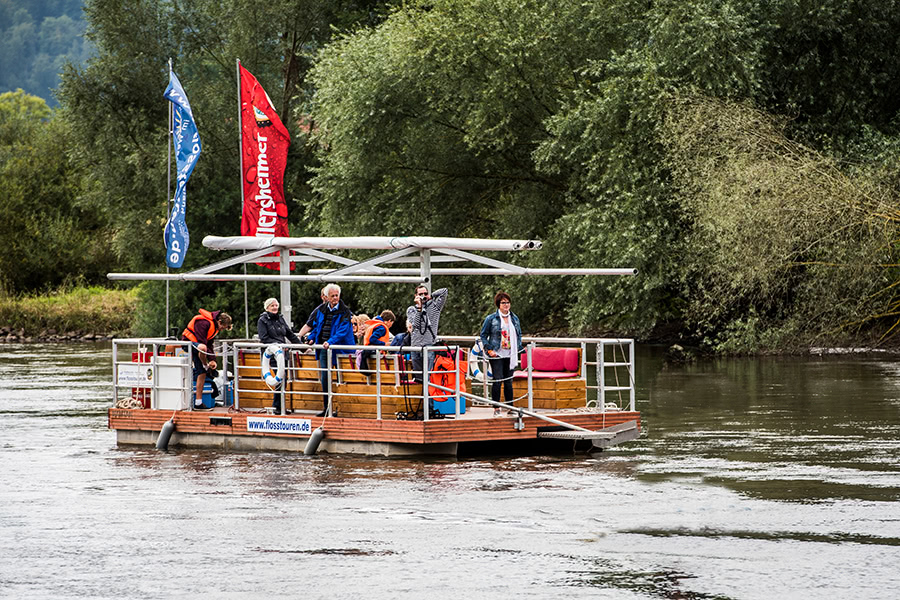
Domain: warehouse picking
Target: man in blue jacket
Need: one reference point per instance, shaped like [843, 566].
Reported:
[329, 324]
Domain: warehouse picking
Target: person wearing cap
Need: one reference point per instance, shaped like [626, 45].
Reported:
[273, 329]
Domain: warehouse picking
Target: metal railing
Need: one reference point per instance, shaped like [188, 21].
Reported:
[592, 371]
[393, 354]
[169, 377]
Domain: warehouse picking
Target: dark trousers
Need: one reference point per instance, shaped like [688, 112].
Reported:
[500, 370]
[322, 358]
[417, 364]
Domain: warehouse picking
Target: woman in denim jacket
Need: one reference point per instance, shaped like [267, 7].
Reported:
[500, 334]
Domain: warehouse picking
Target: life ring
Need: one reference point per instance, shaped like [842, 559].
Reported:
[273, 381]
[475, 360]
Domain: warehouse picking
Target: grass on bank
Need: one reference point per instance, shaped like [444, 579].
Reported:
[82, 309]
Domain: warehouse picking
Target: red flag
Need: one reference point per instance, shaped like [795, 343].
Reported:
[264, 145]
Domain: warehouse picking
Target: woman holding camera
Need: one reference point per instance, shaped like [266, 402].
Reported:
[501, 335]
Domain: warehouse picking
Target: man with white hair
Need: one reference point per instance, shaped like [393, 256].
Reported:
[329, 324]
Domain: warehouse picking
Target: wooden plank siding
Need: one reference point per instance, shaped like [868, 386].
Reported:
[369, 430]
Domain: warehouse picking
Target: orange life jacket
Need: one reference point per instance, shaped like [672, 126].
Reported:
[371, 324]
[444, 373]
[204, 315]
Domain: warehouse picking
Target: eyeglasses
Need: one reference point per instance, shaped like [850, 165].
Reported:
[504, 302]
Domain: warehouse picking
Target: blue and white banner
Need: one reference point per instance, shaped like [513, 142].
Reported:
[186, 140]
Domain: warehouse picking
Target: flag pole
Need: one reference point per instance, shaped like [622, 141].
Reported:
[169, 199]
[241, 156]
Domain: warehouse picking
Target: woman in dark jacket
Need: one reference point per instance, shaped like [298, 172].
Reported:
[273, 329]
[501, 336]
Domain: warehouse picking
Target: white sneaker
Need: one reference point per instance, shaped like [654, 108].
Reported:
[497, 412]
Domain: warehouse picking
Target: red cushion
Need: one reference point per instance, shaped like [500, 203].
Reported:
[553, 359]
[544, 374]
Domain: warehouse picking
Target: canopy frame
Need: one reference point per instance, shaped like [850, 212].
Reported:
[288, 251]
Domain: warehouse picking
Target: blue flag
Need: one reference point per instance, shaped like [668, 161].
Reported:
[186, 140]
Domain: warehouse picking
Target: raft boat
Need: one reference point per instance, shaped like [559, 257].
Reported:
[571, 393]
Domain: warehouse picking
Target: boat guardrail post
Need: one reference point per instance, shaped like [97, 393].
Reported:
[426, 372]
[115, 370]
[457, 377]
[193, 381]
[237, 379]
[631, 374]
[601, 377]
[584, 365]
[330, 410]
[377, 383]
[154, 391]
[530, 351]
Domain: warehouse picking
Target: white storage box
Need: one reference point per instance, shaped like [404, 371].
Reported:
[174, 382]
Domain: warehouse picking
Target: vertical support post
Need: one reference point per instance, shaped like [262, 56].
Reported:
[115, 367]
[425, 267]
[530, 380]
[598, 356]
[284, 257]
[328, 371]
[584, 360]
[169, 199]
[154, 392]
[457, 377]
[237, 377]
[246, 303]
[425, 374]
[631, 374]
[377, 383]
[601, 377]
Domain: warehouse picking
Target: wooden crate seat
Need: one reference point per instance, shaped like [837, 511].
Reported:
[556, 379]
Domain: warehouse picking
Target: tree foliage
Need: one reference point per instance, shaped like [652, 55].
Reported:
[37, 37]
[741, 155]
[119, 117]
[48, 238]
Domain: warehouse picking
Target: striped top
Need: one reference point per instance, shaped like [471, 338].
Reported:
[425, 322]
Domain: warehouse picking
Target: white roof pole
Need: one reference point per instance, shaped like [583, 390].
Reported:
[285, 260]
[425, 267]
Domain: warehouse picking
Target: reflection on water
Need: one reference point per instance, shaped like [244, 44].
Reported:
[756, 478]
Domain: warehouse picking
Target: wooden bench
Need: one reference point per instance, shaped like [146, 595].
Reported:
[353, 390]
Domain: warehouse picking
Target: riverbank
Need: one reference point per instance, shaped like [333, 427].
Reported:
[72, 314]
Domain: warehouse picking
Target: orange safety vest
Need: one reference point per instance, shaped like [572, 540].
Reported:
[204, 315]
[444, 374]
[371, 324]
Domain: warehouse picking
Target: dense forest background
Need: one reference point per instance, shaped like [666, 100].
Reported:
[742, 155]
[38, 37]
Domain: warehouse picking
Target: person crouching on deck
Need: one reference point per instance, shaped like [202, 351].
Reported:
[273, 329]
[329, 324]
[377, 333]
[200, 332]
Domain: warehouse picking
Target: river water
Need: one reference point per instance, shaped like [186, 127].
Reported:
[755, 478]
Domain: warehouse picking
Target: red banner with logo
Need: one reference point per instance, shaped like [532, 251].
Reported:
[264, 146]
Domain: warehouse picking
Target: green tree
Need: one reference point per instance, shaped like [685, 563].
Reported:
[119, 118]
[47, 237]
